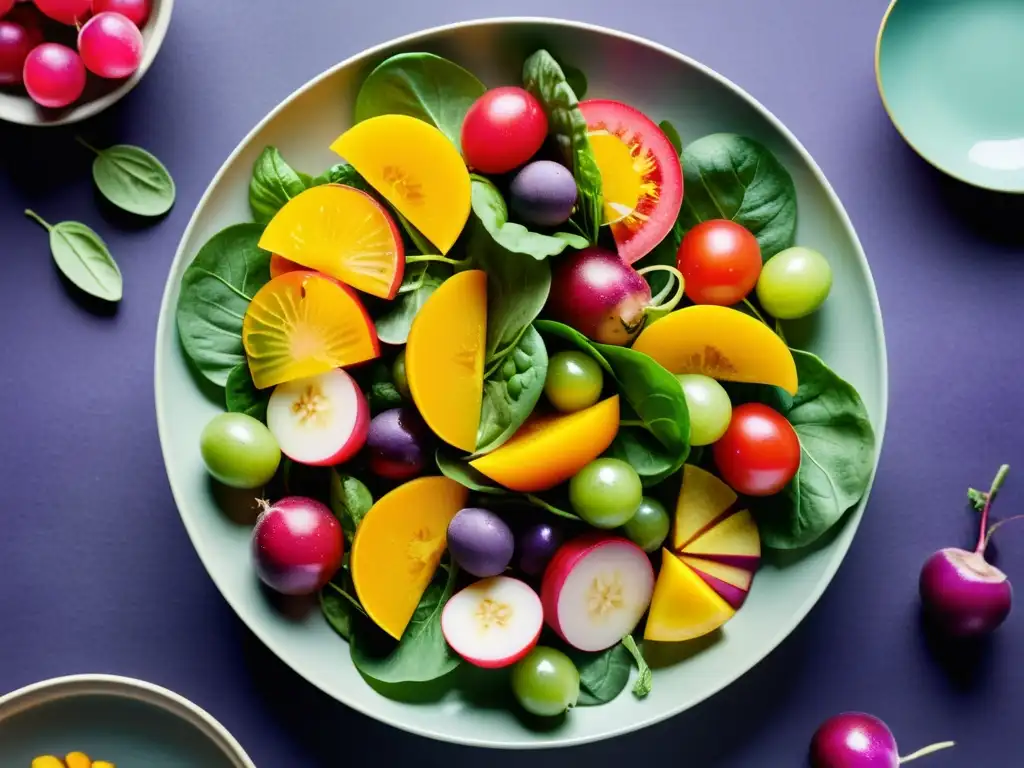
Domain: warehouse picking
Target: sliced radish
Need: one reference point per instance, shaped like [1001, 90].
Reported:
[493, 622]
[733, 541]
[704, 501]
[596, 589]
[320, 420]
[731, 583]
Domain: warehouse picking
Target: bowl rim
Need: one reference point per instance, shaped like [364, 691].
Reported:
[932, 161]
[854, 515]
[160, 22]
[70, 686]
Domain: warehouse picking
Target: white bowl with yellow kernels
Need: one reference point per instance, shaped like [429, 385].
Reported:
[103, 721]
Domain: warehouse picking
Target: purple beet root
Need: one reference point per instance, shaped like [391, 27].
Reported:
[480, 542]
[858, 740]
[398, 444]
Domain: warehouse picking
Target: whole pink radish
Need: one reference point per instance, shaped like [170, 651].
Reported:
[963, 594]
[605, 299]
[16, 42]
[136, 10]
[858, 740]
[54, 75]
[297, 545]
[68, 12]
[111, 46]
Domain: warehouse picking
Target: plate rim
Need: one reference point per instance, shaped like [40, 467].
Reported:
[853, 516]
[65, 687]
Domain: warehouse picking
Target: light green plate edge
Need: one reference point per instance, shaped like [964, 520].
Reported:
[847, 331]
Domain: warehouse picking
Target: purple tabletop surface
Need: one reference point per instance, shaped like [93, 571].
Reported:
[98, 574]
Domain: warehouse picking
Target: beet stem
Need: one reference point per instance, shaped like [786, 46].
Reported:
[927, 751]
[996, 485]
[996, 526]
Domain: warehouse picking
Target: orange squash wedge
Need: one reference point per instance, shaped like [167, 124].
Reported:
[549, 449]
[416, 168]
[398, 546]
[302, 324]
[444, 358]
[342, 232]
[722, 343]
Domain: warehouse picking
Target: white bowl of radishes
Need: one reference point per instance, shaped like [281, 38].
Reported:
[62, 61]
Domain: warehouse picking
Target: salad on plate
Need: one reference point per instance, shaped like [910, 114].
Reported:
[511, 380]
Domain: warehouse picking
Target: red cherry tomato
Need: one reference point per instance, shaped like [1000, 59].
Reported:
[759, 452]
[720, 261]
[503, 129]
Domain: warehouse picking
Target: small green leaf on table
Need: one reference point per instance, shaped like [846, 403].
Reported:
[83, 258]
[132, 179]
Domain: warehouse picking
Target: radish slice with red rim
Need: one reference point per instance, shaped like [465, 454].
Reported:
[320, 420]
[596, 589]
[493, 622]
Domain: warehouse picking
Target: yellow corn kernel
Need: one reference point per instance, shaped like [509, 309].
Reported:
[47, 761]
[77, 760]
[103, 764]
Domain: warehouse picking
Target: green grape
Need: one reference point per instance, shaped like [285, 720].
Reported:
[649, 526]
[574, 381]
[399, 377]
[546, 682]
[606, 493]
[239, 451]
[709, 406]
[793, 283]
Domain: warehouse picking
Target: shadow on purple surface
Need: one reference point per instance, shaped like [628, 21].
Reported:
[966, 664]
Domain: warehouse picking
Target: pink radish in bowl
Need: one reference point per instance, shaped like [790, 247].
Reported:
[493, 622]
[963, 594]
[857, 740]
[604, 298]
[595, 590]
[321, 420]
[297, 546]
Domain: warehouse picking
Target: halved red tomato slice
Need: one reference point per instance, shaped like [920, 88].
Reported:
[641, 175]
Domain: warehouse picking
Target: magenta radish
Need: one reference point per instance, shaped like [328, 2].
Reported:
[110, 45]
[297, 546]
[731, 583]
[857, 740]
[321, 420]
[494, 622]
[604, 298]
[480, 542]
[963, 594]
[595, 590]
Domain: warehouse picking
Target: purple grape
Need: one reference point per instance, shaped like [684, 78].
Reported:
[536, 546]
[397, 444]
[543, 193]
[480, 542]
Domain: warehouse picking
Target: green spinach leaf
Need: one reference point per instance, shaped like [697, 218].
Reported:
[727, 176]
[273, 184]
[603, 675]
[350, 500]
[422, 654]
[546, 80]
[672, 135]
[215, 293]
[241, 395]
[490, 210]
[420, 85]
[417, 286]
[132, 179]
[837, 447]
[84, 258]
[644, 679]
[343, 173]
[512, 390]
[339, 606]
[462, 473]
[379, 386]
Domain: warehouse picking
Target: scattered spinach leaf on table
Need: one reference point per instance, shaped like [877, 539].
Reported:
[837, 447]
[132, 179]
[241, 395]
[546, 80]
[422, 654]
[83, 258]
[421, 85]
[215, 292]
[490, 210]
[273, 184]
[350, 500]
[727, 176]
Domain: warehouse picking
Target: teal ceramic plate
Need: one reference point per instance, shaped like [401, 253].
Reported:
[122, 721]
[661, 82]
[951, 76]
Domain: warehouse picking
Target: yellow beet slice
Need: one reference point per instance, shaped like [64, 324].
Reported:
[683, 607]
[303, 324]
[398, 546]
[444, 358]
[416, 168]
[342, 232]
[702, 499]
[722, 343]
[548, 450]
[734, 540]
